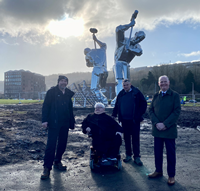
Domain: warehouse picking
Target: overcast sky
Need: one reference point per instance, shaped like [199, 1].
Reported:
[48, 36]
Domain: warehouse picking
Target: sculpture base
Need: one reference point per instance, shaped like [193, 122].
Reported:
[113, 102]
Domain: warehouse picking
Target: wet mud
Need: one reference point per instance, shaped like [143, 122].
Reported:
[23, 141]
[22, 138]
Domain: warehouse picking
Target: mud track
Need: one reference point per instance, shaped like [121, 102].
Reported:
[22, 145]
[23, 139]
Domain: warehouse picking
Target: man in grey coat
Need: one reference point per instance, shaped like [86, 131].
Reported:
[164, 112]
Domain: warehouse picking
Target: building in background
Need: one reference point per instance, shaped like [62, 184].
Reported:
[23, 84]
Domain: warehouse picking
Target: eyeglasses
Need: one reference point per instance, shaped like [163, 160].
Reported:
[98, 107]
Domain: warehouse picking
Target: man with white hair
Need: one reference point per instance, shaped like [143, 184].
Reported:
[106, 133]
[164, 112]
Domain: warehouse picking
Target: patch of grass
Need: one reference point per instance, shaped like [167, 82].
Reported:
[8, 113]
[12, 101]
[185, 105]
[20, 112]
[191, 104]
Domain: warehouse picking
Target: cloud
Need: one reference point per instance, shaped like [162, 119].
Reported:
[197, 53]
[5, 42]
[24, 17]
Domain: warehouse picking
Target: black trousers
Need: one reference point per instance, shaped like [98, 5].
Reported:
[56, 145]
[108, 148]
[131, 137]
[171, 155]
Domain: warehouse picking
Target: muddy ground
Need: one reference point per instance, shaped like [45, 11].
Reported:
[22, 139]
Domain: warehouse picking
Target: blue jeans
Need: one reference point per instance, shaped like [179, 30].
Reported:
[171, 155]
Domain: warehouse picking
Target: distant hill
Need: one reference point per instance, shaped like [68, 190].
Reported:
[51, 80]
[76, 77]
[136, 75]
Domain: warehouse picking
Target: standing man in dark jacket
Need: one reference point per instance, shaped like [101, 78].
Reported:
[164, 112]
[57, 115]
[130, 106]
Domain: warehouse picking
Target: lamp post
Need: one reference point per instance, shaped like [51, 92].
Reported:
[19, 99]
[193, 93]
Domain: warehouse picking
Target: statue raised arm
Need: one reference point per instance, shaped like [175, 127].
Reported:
[126, 50]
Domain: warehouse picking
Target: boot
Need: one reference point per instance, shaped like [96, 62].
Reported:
[45, 174]
[127, 159]
[59, 166]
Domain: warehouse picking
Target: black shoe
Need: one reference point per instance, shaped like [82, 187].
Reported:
[128, 158]
[104, 160]
[112, 158]
[155, 174]
[45, 174]
[138, 161]
[59, 166]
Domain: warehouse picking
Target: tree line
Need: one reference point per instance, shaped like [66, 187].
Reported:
[181, 78]
[146, 79]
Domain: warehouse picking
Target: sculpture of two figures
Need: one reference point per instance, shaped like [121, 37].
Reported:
[126, 50]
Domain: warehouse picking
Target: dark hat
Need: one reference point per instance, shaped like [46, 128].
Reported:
[62, 77]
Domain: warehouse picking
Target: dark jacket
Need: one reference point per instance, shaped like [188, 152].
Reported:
[165, 109]
[50, 109]
[139, 104]
[102, 126]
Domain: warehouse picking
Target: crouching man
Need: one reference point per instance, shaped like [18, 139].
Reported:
[105, 131]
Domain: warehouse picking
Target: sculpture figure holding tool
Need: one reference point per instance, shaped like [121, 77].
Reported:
[126, 50]
[96, 58]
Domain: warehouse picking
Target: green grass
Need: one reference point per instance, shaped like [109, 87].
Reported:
[8, 113]
[11, 101]
[20, 112]
[185, 105]
[191, 104]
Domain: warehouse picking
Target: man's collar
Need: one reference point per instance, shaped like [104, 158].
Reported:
[130, 89]
[99, 113]
[60, 89]
[167, 92]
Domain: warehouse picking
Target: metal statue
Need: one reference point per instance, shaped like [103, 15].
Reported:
[96, 58]
[126, 50]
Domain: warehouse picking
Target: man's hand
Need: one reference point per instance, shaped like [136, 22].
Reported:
[45, 124]
[119, 133]
[88, 129]
[164, 129]
[160, 126]
[132, 23]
